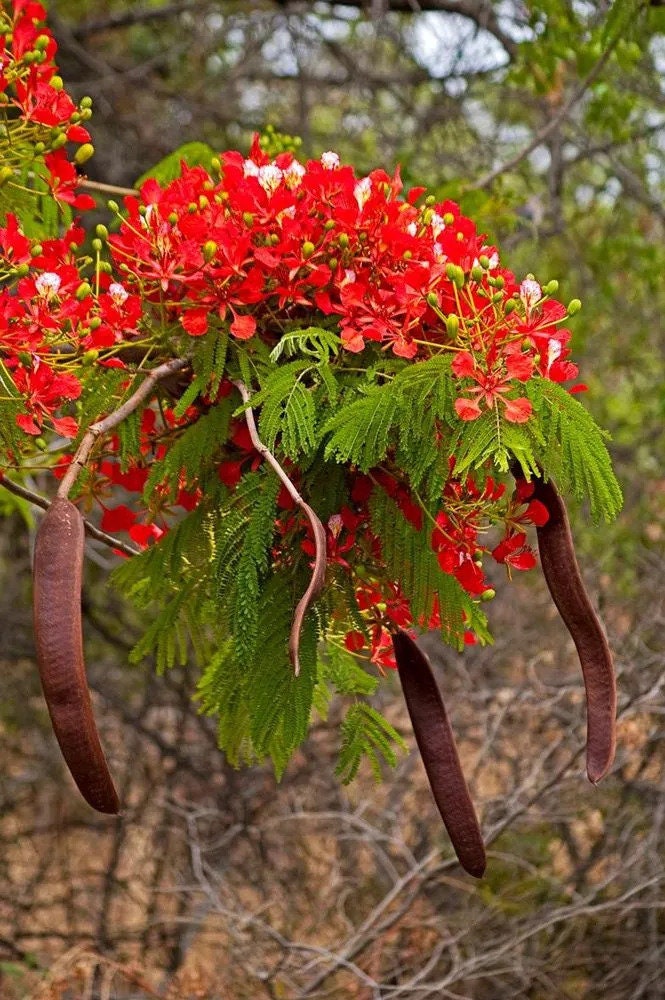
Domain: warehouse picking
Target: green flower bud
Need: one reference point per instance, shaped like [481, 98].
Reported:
[113, 206]
[89, 357]
[102, 232]
[574, 306]
[308, 249]
[551, 288]
[452, 326]
[329, 224]
[83, 291]
[57, 82]
[83, 153]
[448, 219]
[41, 41]
[209, 250]
[484, 261]
[86, 102]
[488, 595]
[433, 300]
[343, 240]
[509, 307]
[173, 218]
[37, 250]
[477, 273]
[95, 323]
[5, 174]
[40, 443]
[248, 218]
[105, 267]
[86, 114]
[59, 141]
[332, 263]
[192, 207]
[96, 245]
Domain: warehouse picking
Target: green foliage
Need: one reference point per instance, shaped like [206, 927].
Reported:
[575, 453]
[366, 734]
[362, 431]
[287, 409]
[344, 671]
[10, 407]
[191, 454]
[191, 153]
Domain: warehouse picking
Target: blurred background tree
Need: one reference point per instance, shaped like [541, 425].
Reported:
[546, 121]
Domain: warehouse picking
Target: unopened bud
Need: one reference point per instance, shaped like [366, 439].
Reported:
[102, 232]
[308, 249]
[59, 141]
[477, 273]
[452, 326]
[83, 153]
[113, 206]
[551, 288]
[248, 218]
[83, 291]
[433, 300]
[96, 245]
[5, 174]
[574, 306]
[488, 595]
[209, 250]
[37, 250]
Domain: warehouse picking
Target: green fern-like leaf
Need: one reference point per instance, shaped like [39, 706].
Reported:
[253, 562]
[366, 735]
[287, 409]
[575, 452]
[190, 455]
[345, 672]
[360, 432]
[314, 341]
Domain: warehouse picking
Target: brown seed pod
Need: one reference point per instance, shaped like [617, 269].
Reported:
[57, 573]
[439, 754]
[562, 575]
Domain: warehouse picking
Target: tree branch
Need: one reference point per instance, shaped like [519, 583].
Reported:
[318, 573]
[551, 125]
[90, 529]
[113, 419]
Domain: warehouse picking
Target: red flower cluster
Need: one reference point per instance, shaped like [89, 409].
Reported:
[39, 116]
[272, 241]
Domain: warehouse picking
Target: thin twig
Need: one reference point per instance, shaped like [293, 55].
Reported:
[85, 182]
[319, 572]
[551, 125]
[39, 501]
[116, 417]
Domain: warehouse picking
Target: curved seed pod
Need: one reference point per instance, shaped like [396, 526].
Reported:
[58, 568]
[562, 575]
[437, 748]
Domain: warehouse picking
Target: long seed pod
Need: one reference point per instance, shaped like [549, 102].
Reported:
[439, 753]
[58, 569]
[562, 574]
